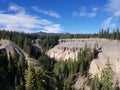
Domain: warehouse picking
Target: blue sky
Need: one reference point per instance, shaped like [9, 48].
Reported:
[73, 16]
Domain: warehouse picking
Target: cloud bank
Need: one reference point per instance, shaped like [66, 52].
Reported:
[47, 12]
[112, 7]
[21, 21]
[84, 13]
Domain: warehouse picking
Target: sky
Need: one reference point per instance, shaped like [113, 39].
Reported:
[59, 16]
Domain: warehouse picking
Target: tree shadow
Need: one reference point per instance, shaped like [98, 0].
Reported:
[96, 52]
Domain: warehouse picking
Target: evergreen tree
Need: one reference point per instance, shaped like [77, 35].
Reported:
[106, 77]
[30, 78]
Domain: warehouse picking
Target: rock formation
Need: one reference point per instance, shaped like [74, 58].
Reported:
[109, 50]
[69, 48]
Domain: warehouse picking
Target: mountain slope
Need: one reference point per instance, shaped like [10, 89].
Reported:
[13, 50]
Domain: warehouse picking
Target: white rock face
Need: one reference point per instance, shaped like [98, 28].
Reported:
[69, 48]
[110, 50]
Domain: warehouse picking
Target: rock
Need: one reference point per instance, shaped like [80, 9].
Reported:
[108, 50]
[69, 48]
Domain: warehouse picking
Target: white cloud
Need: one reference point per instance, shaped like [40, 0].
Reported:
[47, 12]
[92, 14]
[113, 6]
[21, 21]
[1, 11]
[109, 23]
[55, 28]
[16, 8]
[84, 13]
[94, 8]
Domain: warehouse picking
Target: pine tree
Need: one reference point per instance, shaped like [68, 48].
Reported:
[30, 78]
[106, 77]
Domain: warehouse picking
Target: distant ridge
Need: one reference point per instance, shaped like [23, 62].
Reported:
[45, 33]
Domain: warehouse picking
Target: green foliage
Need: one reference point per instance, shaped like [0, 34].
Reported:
[48, 41]
[35, 52]
[106, 77]
[46, 62]
[95, 84]
[30, 78]
[51, 75]
[11, 72]
[39, 80]
[3, 69]
[115, 35]
[66, 70]
[84, 58]
[105, 82]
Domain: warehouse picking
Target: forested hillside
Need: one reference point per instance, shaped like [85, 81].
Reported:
[115, 34]
[16, 74]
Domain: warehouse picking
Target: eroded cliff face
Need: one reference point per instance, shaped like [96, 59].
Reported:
[13, 50]
[69, 48]
[109, 51]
